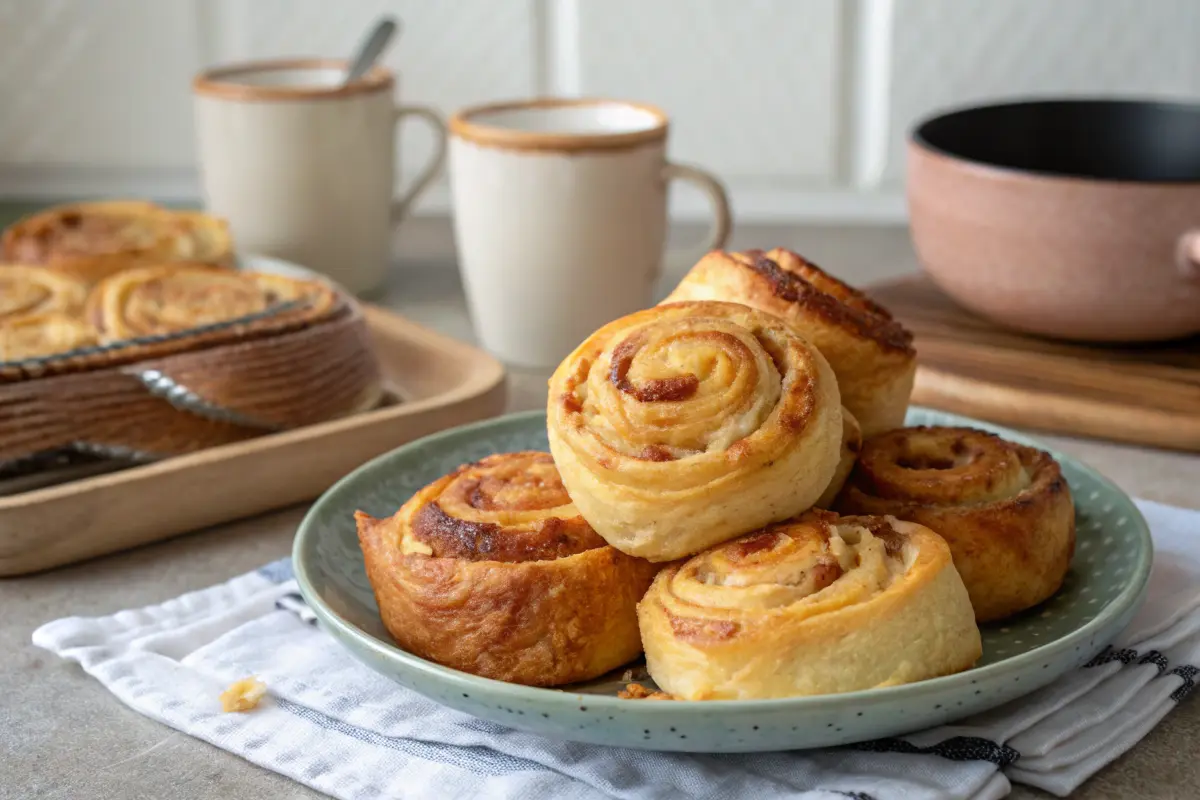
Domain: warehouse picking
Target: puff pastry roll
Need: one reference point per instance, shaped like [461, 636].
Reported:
[819, 605]
[170, 298]
[871, 353]
[40, 313]
[29, 291]
[685, 425]
[851, 444]
[492, 571]
[1005, 509]
[42, 335]
[93, 240]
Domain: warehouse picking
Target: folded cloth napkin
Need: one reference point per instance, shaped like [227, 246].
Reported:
[339, 727]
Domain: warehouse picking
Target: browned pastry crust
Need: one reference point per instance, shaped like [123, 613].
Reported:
[851, 444]
[170, 298]
[41, 313]
[819, 604]
[1005, 510]
[870, 352]
[635, 691]
[492, 571]
[28, 291]
[683, 425]
[91, 241]
[39, 335]
[147, 312]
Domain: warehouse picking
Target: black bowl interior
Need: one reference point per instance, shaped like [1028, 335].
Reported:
[1115, 140]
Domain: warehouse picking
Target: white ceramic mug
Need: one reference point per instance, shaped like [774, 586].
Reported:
[560, 215]
[303, 167]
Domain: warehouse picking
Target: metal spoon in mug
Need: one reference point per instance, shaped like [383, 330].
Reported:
[371, 48]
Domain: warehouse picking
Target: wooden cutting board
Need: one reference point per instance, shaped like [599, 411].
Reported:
[1143, 394]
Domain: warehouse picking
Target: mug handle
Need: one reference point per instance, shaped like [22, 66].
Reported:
[718, 231]
[430, 172]
[1187, 254]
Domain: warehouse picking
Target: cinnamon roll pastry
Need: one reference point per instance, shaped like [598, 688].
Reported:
[491, 570]
[851, 444]
[90, 241]
[40, 313]
[40, 335]
[684, 425]
[818, 605]
[170, 298]
[870, 352]
[1005, 510]
[31, 291]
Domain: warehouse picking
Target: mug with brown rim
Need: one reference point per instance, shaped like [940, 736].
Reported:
[302, 165]
[560, 215]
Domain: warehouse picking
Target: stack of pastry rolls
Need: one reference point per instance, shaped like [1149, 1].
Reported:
[710, 441]
[127, 329]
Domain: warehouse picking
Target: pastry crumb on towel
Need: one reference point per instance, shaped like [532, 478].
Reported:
[243, 695]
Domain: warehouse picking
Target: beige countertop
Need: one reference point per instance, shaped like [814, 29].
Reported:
[63, 736]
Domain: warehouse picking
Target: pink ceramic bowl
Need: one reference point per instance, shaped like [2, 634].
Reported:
[1077, 219]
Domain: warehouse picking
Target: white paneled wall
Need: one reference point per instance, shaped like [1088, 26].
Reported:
[947, 52]
[96, 84]
[752, 94]
[800, 105]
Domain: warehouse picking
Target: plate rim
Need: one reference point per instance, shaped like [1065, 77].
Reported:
[1131, 596]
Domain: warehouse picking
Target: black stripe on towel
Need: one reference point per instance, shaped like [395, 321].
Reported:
[1157, 659]
[958, 748]
[853, 795]
[1188, 673]
[1129, 656]
[1109, 655]
[293, 602]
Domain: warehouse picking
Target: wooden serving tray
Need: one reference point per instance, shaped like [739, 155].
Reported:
[1143, 394]
[436, 382]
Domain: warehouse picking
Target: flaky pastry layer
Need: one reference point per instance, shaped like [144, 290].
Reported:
[818, 605]
[1005, 509]
[491, 570]
[870, 352]
[687, 424]
[90, 241]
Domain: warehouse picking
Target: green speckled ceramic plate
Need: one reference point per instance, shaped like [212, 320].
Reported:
[1104, 588]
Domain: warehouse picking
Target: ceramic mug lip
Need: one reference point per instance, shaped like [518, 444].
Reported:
[919, 139]
[470, 124]
[220, 81]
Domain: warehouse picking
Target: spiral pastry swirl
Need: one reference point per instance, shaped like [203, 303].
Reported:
[90, 241]
[170, 298]
[491, 570]
[870, 352]
[684, 425]
[41, 335]
[817, 605]
[30, 291]
[1005, 510]
[40, 313]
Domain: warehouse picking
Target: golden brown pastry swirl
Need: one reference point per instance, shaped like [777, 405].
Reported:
[166, 299]
[40, 313]
[41, 335]
[90, 241]
[1005, 509]
[870, 352]
[684, 425]
[492, 571]
[27, 291]
[817, 605]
